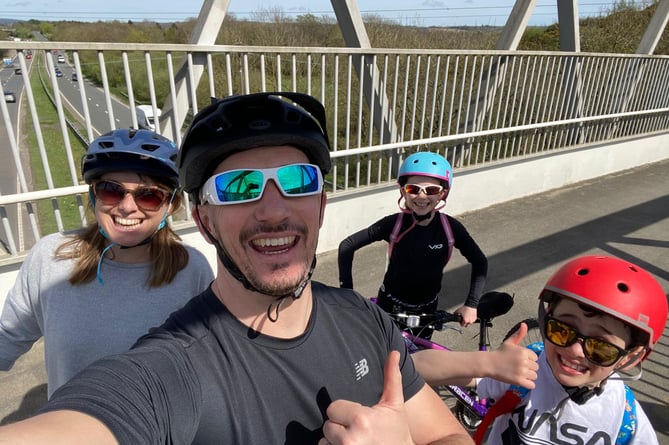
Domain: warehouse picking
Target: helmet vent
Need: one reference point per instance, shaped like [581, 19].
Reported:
[260, 124]
[218, 124]
[622, 287]
[150, 147]
[134, 150]
[583, 272]
[293, 117]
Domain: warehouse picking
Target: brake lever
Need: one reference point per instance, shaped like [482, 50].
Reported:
[457, 329]
[444, 326]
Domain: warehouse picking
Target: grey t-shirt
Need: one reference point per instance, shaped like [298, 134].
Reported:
[206, 378]
[83, 323]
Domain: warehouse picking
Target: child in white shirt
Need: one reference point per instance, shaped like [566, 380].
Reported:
[599, 315]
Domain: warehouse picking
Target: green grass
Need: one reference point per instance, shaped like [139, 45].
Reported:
[46, 209]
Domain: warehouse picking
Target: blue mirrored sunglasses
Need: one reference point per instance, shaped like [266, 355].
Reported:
[248, 185]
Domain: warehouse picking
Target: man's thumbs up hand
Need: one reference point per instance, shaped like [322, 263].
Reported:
[384, 423]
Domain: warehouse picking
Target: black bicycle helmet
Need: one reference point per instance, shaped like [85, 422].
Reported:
[127, 149]
[238, 123]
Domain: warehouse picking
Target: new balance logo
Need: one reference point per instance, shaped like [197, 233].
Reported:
[361, 369]
[435, 246]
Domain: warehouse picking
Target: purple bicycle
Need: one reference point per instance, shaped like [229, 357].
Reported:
[469, 408]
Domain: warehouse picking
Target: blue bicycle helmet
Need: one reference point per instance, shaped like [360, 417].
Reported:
[238, 123]
[425, 163]
[127, 149]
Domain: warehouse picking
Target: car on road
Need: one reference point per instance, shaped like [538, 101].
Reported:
[59, 73]
[18, 71]
[61, 58]
[29, 56]
[74, 76]
[145, 117]
[10, 97]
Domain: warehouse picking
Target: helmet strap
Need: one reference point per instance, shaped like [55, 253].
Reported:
[401, 203]
[415, 217]
[419, 218]
[239, 276]
[581, 394]
[102, 255]
[297, 293]
[91, 196]
[147, 240]
[578, 394]
[163, 223]
[223, 255]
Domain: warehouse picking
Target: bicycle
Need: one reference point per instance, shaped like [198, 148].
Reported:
[469, 408]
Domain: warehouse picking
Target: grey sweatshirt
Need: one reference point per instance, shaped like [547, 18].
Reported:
[85, 322]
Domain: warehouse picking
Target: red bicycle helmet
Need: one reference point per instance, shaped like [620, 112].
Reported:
[616, 287]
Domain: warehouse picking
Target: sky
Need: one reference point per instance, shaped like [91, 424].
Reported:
[404, 12]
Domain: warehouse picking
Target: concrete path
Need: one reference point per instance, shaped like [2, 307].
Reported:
[625, 215]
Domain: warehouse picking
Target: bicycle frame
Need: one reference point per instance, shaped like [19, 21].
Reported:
[492, 304]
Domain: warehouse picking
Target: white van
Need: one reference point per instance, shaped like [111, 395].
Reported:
[145, 117]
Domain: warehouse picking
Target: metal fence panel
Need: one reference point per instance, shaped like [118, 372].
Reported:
[474, 107]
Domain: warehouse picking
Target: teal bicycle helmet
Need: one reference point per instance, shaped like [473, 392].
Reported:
[238, 123]
[127, 149]
[425, 163]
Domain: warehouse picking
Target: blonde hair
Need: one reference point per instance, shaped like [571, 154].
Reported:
[85, 247]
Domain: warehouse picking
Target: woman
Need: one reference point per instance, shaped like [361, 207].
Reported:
[93, 292]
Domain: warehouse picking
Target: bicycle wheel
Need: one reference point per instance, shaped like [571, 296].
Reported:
[533, 332]
[467, 418]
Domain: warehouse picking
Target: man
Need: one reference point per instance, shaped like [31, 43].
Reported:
[264, 355]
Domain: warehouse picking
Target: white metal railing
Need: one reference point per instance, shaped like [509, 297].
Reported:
[475, 107]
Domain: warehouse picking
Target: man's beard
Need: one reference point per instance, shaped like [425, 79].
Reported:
[279, 284]
[276, 287]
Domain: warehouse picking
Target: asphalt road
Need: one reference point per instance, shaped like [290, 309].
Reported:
[625, 215]
[526, 240]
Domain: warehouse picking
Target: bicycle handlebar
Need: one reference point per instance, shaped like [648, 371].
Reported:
[435, 320]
